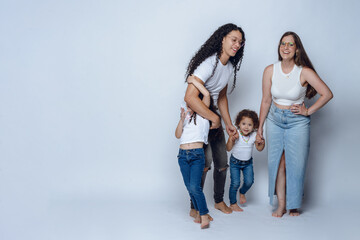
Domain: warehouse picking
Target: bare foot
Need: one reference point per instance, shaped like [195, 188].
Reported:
[242, 198]
[236, 208]
[223, 207]
[279, 212]
[205, 221]
[193, 213]
[197, 218]
[294, 212]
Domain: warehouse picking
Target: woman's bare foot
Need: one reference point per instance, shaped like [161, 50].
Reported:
[279, 212]
[193, 213]
[294, 212]
[242, 198]
[223, 207]
[205, 221]
[236, 208]
[197, 218]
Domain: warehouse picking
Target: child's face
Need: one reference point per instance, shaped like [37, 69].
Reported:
[246, 126]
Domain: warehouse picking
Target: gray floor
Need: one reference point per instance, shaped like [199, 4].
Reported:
[123, 219]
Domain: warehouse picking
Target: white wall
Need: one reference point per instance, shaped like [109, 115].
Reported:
[90, 94]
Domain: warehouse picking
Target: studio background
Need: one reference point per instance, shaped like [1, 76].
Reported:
[90, 95]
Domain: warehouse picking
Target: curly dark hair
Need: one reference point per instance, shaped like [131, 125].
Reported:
[250, 114]
[214, 46]
[300, 58]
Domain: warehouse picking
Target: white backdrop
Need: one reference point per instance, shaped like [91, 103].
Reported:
[90, 94]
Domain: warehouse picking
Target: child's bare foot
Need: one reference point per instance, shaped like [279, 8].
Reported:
[205, 221]
[294, 212]
[236, 208]
[223, 207]
[242, 198]
[193, 213]
[279, 212]
[197, 218]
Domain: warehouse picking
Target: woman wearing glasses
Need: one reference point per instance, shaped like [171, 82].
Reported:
[285, 85]
[212, 65]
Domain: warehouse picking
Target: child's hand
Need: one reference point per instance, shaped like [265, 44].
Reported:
[183, 114]
[259, 143]
[234, 137]
[259, 137]
[259, 140]
[190, 79]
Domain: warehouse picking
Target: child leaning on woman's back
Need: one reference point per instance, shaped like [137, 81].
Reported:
[193, 131]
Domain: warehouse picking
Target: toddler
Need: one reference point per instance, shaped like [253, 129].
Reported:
[241, 148]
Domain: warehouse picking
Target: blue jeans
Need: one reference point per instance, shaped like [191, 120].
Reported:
[236, 166]
[192, 163]
[288, 133]
[215, 152]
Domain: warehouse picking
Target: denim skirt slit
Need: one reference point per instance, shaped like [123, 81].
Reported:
[289, 133]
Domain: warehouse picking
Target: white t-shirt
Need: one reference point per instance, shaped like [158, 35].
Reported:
[195, 133]
[242, 150]
[220, 78]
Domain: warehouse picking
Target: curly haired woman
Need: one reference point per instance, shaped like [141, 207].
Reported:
[214, 63]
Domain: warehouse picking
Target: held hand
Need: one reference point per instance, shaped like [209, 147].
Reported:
[259, 141]
[216, 123]
[299, 109]
[234, 137]
[231, 131]
[259, 136]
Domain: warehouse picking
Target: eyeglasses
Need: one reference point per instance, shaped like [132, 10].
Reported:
[290, 44]
[242, 43]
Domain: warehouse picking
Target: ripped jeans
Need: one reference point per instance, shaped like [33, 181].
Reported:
[215, 151]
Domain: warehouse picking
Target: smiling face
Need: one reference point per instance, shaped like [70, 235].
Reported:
[246, 126]
[231, 43]
[287, 48]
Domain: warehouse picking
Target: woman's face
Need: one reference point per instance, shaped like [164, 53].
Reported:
[287, 48]
[232, 42]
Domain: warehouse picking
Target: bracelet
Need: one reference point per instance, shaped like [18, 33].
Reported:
[306, 113]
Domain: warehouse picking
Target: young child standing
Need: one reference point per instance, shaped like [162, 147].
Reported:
[193, 131]
[241, 148]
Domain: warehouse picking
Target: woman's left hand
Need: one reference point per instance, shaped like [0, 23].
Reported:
[299, 109]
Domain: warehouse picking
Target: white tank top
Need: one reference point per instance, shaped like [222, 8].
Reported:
[286, 89]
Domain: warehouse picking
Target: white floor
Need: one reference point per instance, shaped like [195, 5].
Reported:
[123, 219]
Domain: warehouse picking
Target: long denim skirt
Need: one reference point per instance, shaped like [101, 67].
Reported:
[289, 133]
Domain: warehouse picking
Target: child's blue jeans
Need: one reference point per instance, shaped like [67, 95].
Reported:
[236, 166]
[192, 163]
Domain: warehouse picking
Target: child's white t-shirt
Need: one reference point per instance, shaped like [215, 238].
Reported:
[220, 78]
[195, 133]
[242, 150]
